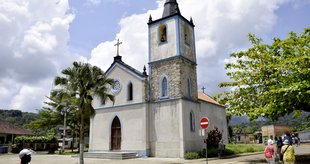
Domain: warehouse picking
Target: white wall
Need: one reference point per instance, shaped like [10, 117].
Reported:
[133, 128]
[166, 129]
[193, 141]
[124, 76]
[163, 50]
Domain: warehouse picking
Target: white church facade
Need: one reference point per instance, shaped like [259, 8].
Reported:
[157, 114]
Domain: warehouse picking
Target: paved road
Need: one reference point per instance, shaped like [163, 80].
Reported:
[65, 159]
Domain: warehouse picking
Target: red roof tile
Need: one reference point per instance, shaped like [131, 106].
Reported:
[9, 128]
[204, 97]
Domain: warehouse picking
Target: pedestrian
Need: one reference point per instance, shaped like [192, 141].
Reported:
[25, 156]
[288, 137]
[269, 152]
[279, 147]
[288, 152]
[221, 148]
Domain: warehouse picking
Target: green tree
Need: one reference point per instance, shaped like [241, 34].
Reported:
[84, 81]
[269, 80]
[47, 120]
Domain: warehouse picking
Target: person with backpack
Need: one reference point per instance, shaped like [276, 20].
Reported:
[288, 152]
[269, 152]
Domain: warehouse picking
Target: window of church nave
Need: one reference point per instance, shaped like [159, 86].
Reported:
[187, 36]
[130, 92]
[192, 121]
[162, 33]
[189, 87]
[164, 87]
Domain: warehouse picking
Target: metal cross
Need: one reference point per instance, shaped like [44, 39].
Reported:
[203, 89]
[117, 44]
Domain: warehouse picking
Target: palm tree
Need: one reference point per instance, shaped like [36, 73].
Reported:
[84, 81]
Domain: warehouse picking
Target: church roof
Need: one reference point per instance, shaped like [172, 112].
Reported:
[171, 7]
[9, 128]
[118, 60]
[207, 98]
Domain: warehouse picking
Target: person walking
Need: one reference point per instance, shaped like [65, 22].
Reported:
[279, 147]
[269, 152]
[288, 152]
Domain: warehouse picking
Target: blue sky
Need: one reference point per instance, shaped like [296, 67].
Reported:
[40, 38]
[100, 21]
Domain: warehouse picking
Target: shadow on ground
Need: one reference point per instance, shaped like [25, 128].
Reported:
[300, 159]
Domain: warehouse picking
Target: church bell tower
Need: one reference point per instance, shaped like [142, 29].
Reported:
[172, 56]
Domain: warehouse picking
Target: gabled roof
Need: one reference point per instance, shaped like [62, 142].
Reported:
[205, 97]
[118, 60]
[9, 128]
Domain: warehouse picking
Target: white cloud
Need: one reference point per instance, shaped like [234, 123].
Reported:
[221, 26]
[33, 49]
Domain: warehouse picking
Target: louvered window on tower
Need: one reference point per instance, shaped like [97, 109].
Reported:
[162, 33]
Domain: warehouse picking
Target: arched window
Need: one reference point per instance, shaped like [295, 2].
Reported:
[164, 87]
[162, 33]
[189, 87]
[192, 121]
[129, 92]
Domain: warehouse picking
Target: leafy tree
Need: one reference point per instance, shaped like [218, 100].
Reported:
[270, 80]
[47, 120]
[83, 82]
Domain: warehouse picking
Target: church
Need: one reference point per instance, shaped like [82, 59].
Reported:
[157, 113]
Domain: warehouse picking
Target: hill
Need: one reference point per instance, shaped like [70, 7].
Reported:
[17, 117]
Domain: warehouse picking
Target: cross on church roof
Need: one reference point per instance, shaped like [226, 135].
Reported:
[203, 89]
[117, 45]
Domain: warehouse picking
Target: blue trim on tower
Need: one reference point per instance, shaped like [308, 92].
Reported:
[178, 48]
[150, 71]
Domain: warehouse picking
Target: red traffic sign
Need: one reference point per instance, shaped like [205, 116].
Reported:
[204, 122]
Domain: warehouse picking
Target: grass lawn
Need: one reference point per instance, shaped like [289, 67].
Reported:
[232, 149]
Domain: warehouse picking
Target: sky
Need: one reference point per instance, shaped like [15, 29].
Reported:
[40, 38]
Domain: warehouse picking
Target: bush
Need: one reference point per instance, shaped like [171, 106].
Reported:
[191, 155]
[214, 138]
[30, 141]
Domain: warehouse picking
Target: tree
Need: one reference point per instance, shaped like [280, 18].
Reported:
[83, 82]
[46, 122]
[66, 105]
[269, 80]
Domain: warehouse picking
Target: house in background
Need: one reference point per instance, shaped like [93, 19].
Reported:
[304, 136]
[272, 131]
[8, 132]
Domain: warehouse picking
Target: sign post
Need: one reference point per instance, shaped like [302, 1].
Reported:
[204, 123]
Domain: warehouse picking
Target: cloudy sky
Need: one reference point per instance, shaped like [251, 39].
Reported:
[40, 38]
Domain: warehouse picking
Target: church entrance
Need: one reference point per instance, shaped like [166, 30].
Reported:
[116, 134]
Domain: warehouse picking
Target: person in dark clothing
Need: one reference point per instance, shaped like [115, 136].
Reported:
[279, 147]
[288, 137]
